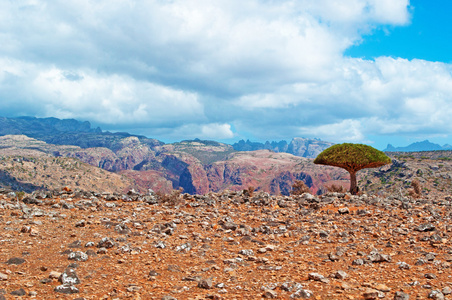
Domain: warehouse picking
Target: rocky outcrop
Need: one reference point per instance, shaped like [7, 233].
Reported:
[267, 171]
[307, 147]
[196, 167]
[186, 172]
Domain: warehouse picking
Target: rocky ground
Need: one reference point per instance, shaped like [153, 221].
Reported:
[78, 245]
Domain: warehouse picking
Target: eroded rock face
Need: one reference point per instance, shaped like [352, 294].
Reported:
[197, 167]
[307, 147]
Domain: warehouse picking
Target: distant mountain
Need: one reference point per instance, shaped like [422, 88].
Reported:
[418, 146]
[298, 146]
[196, 166]
[67, 132]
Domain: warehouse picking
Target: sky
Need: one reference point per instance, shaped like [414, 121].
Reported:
[360, 71]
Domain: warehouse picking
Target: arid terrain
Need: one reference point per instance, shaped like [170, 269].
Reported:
[74, 245]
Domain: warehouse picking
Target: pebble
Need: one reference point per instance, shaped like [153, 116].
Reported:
[270, 294]
[436, 295]
[19, 292]
[340, 275]
[301, 293]
[106, 242]
[382, 287]
[401, 296]
[78, 256]
[66, 289]
[3, 277]
[371, 294]
[69, 277]
[205, 283]
[54, 275]
[15, 261]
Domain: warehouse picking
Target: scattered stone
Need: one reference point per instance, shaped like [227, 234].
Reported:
[376, 257]
[15, 261]
[425, 227]
[371, 294]
[78, 256]
[89, 244]
[19, 292]
[339, 274]
[69, 277]
[66, 289]
[344, 210]
[3, 277]
[403, 265]
[133, 288]
[270, 294]
[184, 247]
[301, 293]
[382, 287]
[358, 262]
[446, 291]
[106, 242]
[401, 296]
[436, 295]
[54, 275]
[75, 244]
[160, 244]
[81, 223]
[315, 276]
[246, 252]
[205, 283]
[102, 250]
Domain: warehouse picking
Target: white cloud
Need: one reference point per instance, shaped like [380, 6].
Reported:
[213, 131]
[217, 131]
[194, 67]
[112, 99]
[346, 130]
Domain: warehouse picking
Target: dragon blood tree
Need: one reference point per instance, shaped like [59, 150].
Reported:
[352, 157]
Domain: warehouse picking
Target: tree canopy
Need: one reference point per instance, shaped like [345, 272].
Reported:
[352, 157]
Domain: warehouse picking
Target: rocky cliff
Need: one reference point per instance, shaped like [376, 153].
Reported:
[196, 166]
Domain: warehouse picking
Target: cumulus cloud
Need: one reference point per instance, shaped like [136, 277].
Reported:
[350, 130]
[203, 131]
[218, 70]
[113, 99]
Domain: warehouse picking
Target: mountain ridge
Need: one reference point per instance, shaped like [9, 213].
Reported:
[425, 145]
[196, 166]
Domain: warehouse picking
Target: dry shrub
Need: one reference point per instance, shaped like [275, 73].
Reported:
[299, 188]
[336, 188]
[416, 190]
[171, 199]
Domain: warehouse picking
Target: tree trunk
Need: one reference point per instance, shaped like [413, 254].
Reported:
[353, 185]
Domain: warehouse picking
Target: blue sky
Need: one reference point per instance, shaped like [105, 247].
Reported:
[364, 71]
[427, 36]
